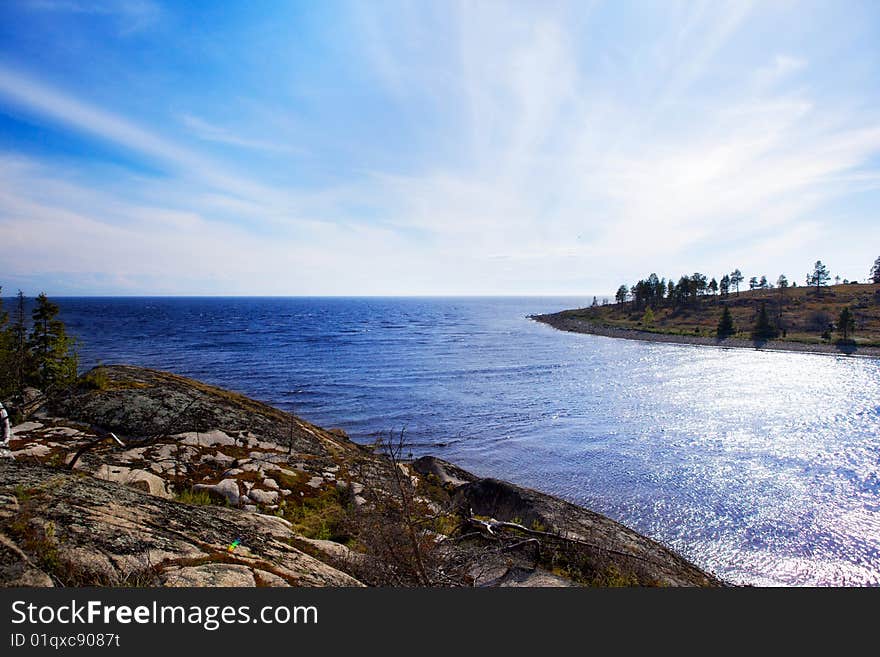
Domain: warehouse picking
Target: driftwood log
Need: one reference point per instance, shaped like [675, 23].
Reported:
[109, 435]
[493, 529]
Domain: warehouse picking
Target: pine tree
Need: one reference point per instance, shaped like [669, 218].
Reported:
[875, 271]
[764, 330]
[819, 276]
[846, 324]
[725, 324]
[54, 361]
[736, 278]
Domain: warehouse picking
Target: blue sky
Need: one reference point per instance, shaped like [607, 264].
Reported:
[287, 148]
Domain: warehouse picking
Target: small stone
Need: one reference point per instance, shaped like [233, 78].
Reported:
[208, 439]
[226, 490]
[263, 496]
[219, 458]
[63, 431]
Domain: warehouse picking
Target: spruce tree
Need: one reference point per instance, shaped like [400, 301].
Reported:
[725, 324]
[764, 330]
[846, 323]
[54, 361]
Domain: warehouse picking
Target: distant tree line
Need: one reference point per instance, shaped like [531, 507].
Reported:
[34, 351]
[654, 291]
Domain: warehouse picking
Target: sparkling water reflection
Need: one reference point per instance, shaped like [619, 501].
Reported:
[760, 466]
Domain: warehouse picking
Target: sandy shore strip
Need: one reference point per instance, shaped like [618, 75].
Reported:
[566, 323]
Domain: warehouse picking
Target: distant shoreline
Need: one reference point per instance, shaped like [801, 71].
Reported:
[563, 322]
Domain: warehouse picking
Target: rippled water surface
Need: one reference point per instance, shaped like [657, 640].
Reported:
[760, 466]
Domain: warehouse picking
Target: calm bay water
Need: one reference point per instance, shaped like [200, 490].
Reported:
[763, 467]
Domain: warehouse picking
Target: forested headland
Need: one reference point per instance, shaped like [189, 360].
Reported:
[822, 310]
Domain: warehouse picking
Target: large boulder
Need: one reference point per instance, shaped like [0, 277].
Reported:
[445, 473]
[605, 541]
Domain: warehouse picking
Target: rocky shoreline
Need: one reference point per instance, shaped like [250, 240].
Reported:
[145, 478]
[564, 322]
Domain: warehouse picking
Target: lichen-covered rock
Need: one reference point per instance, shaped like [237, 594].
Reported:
[628, 552]
[97, 532]
[74, 529]
[140, 403]
[210, 574]
[16, 568]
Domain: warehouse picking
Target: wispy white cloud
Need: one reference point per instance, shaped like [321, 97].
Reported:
[211, 132]
[574, 165]
[58, 106]
[782, 67]
[133, 15]
[563, 167]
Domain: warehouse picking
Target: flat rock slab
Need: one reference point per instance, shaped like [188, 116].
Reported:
[24, 427]
[134, 477]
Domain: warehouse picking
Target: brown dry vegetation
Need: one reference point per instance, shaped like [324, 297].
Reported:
[800, 312]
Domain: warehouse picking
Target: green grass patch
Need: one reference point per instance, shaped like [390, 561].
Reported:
[196, 497]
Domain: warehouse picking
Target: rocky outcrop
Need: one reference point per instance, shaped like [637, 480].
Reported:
[123, 483]
[141, 403]
[443, 472]
[593, 534]
[72, 530]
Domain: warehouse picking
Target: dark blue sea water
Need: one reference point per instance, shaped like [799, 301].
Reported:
[764, 467]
